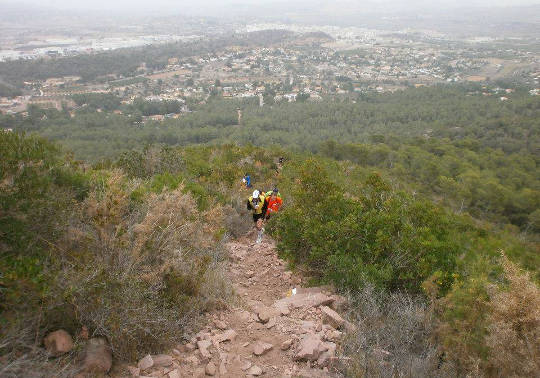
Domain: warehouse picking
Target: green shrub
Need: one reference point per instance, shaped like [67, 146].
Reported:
[371, 234]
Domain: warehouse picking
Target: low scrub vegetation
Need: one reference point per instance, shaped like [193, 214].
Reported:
[132, 261]
[132, 249]
[431, 295]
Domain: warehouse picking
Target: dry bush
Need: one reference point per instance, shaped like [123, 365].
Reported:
[393, 337]
[514, 326]
[237, 220]
[26, 359]
[140, 275]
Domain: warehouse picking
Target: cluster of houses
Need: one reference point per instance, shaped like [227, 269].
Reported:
[351, 62]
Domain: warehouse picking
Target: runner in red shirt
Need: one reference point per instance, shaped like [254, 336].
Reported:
[274, 202]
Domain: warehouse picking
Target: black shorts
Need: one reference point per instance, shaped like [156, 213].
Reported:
[256, 217]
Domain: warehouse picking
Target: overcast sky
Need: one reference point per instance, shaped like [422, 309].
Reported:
[194, 4]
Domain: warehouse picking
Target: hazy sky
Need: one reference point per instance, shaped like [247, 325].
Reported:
[194, 4]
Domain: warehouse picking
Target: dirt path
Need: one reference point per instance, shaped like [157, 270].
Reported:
[266, 332]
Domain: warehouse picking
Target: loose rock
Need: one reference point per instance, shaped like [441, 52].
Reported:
[261, 348]
[58, 343]
[246, 365]
[146, 362]
[135, 372]
[306, 300]
[286, 344]
[229, 335]
[271, 323]
[266, 313]
[162, 360]
[255, 370]
[331, 317]
[98, 356]
[210, 369]
[220, 324]
[309, 348]
[203, 346]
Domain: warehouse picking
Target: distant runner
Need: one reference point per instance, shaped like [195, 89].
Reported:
[274, 202]
[247, 181]
[258, 205]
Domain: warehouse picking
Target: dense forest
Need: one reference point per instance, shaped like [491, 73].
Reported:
[470, 152]
[453, 112]
[75, 239]
[9, 91]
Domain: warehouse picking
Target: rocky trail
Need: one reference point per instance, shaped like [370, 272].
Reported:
[268, 331]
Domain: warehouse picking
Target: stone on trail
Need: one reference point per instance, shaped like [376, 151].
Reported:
[98, 356]
[271, 323]
[286, 344]
[229, 335]
[261, 348]
[162, 360]
[255, 370]
[266, 313]
[306, 300]
[174, 373]
[309, 348]
[203, 346]
[246, 365]
[58, 343]
[146, 362]
[210, 369]
[326, 357]
[282, 308]
[331, 317]
[220, 324]
[190, 347]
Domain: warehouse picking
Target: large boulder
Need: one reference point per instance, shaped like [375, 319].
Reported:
[98, 356]
[58, 343]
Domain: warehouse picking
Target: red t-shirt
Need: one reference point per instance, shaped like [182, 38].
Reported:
[274, 204]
